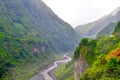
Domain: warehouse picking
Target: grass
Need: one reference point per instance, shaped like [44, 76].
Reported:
[65, 71]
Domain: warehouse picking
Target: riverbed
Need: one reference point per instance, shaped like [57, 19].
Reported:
[45, 74]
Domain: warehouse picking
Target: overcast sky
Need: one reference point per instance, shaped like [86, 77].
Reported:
[78, 12]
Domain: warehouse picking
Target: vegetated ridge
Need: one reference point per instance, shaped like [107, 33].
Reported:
[102, 56]
[30, 35]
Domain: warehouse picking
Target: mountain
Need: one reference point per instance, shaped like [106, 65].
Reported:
[34, 18]
[98, 58]
[101, 24]
[117, 30]
[107, 31]
[59, 33]
[95, 59]
[82, 30]
[30, 35]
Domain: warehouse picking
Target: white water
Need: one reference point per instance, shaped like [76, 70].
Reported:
[46, 71]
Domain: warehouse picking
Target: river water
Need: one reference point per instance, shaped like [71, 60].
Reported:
[44, 74]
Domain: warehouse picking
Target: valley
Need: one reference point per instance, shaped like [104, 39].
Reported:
[32, 36]
[45, 74]
[33, 39]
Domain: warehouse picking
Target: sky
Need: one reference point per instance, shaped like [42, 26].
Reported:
[79, 12]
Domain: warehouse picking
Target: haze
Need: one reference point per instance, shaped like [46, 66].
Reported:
[79, 12]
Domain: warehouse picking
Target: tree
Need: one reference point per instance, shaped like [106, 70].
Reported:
[84, 42]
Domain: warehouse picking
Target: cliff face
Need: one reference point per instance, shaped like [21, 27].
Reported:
[84, 55]
[80, 67]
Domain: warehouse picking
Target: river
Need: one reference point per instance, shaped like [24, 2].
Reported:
[44, 75]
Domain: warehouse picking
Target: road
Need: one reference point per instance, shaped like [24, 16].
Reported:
[44, 75]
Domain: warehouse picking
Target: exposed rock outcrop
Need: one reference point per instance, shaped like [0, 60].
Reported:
[80, 67]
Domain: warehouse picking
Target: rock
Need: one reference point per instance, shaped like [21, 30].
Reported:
[80, 67]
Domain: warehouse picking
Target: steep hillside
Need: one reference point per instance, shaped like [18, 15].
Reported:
[117, 30]
[56, 31]
[65, 71]
[30, 33]
[33, 17]
[107, 31]
[102, 57]
[82, 30]
[102, 23]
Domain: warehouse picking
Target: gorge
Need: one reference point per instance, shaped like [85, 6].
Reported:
[32, 37]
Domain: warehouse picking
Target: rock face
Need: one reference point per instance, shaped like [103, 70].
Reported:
[80, 67]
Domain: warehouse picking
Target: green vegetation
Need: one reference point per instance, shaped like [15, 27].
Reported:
[101, 69]
[24, 50]
[102, 55]
[30, 35]
[84, 29]
[85, 47]
[18, 59]
[117, 30]
[107, 31]
[65, 71]
[25, 70]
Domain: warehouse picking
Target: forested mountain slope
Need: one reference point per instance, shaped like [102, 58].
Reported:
[82, 30]
[55, 30]
[107, 31]
[95, 59]
[102, 57]
[29, 33]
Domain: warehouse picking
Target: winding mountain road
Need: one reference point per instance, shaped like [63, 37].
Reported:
[44, 75]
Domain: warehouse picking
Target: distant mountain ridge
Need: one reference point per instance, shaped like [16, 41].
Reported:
[107, 31]
[100, 24]
[82, 30]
